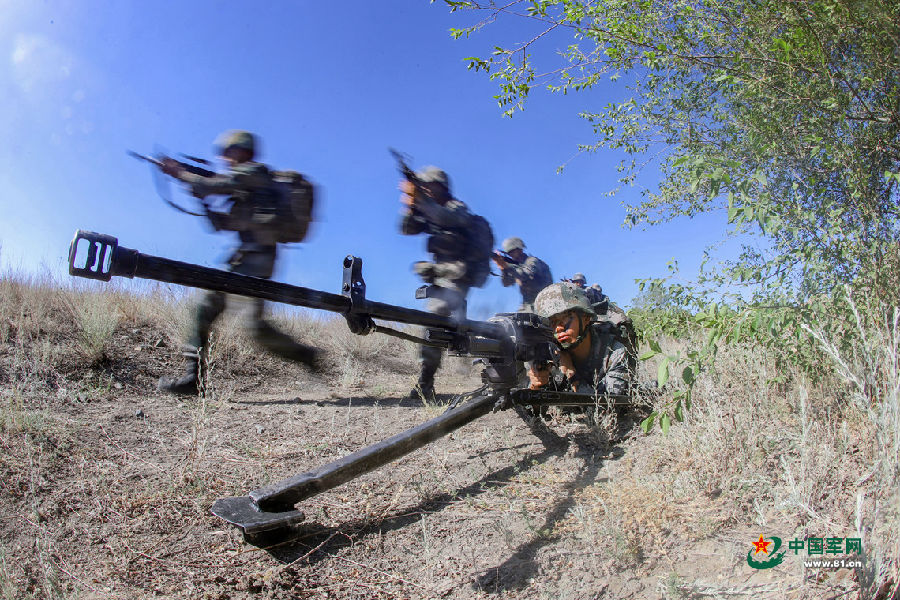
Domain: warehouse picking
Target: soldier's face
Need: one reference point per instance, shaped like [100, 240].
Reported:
[517, 254]
[235, 155]
[566, 326]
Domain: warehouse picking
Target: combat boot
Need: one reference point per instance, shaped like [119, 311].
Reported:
[186, 385]
[429, 360]
[423, 391]
[189, 382]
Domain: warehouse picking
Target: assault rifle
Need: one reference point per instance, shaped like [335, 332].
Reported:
[501, 344]
[500, 255]
[194, 166]
[404, 168]
[407, 173]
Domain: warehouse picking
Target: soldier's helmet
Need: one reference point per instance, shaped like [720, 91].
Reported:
[431, 174]
[557, 298]
[513, 243]
[235, 138]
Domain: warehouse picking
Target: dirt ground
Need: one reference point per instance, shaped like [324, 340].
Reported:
[107, 486]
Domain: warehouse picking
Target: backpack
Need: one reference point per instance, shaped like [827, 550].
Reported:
[480, 246]
[620, 325]
[294, 207]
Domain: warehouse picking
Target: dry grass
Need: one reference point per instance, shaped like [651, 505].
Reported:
[752, 457]
[755, 457]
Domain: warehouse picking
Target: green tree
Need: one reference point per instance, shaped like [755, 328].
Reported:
[785, 113]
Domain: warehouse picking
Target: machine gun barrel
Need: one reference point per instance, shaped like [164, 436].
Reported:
[104, 258]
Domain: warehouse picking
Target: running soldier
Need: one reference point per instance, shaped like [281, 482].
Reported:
[251, 192]
[529, 272]
[460, 243]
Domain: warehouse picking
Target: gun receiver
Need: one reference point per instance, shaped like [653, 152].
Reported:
[502, 343]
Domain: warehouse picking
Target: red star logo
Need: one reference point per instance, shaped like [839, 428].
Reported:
[761, 546]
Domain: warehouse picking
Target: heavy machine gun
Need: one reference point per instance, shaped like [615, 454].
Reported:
[501, 343]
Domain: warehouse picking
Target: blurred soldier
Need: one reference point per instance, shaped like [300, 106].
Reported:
[594, 293]
[529, 272]
[592, 360]
[460, 243]
[251, 192]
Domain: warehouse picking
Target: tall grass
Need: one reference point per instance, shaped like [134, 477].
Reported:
[870, 371]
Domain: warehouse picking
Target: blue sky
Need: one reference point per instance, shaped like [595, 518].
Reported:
[328, 87]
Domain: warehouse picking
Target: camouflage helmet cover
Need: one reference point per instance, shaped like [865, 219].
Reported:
[431, 174]
[513, 243]
[557, 298]
[235, 138]
[579, 277]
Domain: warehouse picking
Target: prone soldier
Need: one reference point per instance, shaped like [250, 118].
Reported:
[252, 196]
[610, 313]
[593, 359]
[529, 272]
[460, 244]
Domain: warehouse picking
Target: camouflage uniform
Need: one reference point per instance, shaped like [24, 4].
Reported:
[595, 295]
[448, 273]
[615, 321]
[252, 199]
[606, 368]
[532, 275]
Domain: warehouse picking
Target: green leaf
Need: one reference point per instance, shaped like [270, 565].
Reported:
[647, 355]
[679, 414]
[654, 345]
[647, 424]
[687, 400]
[687, 375]
[662, 373]
[664, 423]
